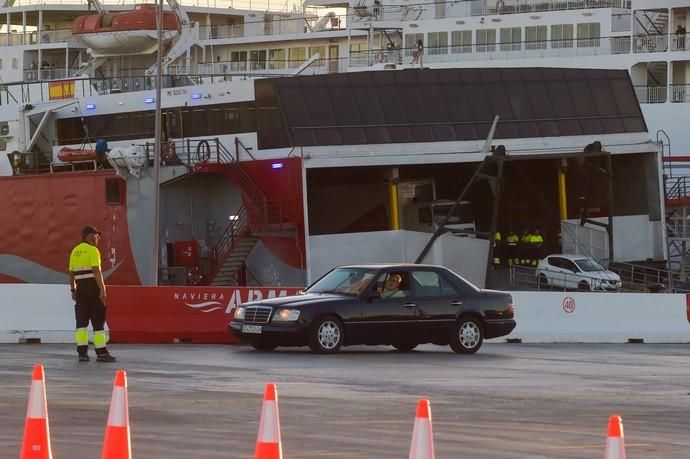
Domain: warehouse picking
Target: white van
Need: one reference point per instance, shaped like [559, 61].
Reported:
[427, 216]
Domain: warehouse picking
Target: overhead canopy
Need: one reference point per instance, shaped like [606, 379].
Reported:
[437, 105]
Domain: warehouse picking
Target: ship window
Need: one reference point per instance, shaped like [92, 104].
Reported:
[438, 43]
[238, 61]
[562, 36]
[461, 41]
[511, 38]
[14, 62]
[3, 145]
[114, 191]
[535, 36]
[0, 64]
[297, 56]
[588, 35]
[322, 54]
[410, 40]
[486, 40]
[276, 58]
[257, 59]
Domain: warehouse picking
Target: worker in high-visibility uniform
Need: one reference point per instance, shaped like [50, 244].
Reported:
[512, 248]
[536, 241]
[88, 291]
[498, 249]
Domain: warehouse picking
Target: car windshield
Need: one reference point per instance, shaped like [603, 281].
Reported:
[589, 265]
[347, 281]
[462, 214]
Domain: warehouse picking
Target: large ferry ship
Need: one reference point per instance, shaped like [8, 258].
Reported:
[330, 132]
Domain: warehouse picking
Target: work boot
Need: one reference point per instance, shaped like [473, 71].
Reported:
[84, 358]
[105, 357]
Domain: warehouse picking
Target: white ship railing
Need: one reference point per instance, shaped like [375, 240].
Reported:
[651, 94]
[650, 43]
[680, 92]
[428, 9]
[250, 5]
[680, 42]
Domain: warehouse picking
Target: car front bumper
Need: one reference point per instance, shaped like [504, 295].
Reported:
[287, 334]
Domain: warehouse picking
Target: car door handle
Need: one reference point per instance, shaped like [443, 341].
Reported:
[410, 305]
[456, 303]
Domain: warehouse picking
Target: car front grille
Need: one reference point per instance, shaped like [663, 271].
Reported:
[257, 314]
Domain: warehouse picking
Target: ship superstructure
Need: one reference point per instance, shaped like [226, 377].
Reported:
[271, 118]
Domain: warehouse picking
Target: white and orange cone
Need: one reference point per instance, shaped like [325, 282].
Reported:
[422, 435]
[268, 444]
[615, 446]
[36, 442]
[116, 444]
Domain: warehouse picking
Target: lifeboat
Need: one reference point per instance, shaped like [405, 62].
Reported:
[127, 32]
[70, 155]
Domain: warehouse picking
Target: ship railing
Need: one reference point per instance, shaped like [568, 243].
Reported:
[254, 5]
[190, 152]
[677, 187]
[651, 94]
[650, 43]
[496, 51]
[237, 227]
[428, 9]
[680, 42]
[680, 92]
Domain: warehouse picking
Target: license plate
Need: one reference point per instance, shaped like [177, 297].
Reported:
[251, 329]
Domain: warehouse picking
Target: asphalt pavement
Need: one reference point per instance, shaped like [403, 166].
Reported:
[507, 401]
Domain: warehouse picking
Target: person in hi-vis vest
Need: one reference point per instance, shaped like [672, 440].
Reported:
[89, 294]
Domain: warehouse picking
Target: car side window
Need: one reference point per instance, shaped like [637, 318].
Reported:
[427, 284]
[571, 266]
[555, 262]
[393, 285]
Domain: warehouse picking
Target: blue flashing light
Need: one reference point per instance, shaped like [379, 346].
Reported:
[196, 95]
[277, 166]
[149, 100]
[91, 106]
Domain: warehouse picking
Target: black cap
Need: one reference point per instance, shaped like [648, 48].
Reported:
[85, 231]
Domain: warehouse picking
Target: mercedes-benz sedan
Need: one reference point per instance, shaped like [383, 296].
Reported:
[402, 305]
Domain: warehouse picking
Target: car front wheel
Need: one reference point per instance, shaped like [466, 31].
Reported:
[583, 286]
[467, 337]
[326, 335]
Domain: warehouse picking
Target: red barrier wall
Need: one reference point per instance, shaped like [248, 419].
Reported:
[191, 314]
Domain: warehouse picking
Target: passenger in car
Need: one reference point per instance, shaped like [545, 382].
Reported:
[392, 287]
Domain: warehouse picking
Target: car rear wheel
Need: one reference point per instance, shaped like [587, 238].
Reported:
[263, 346]
[584, 286]
[542, 281]
[404, 347]
[467, 337]
[326, 335]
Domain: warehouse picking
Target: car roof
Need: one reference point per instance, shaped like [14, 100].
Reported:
[391, 265]
[569, 256]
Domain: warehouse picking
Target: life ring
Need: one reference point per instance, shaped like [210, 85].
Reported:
[168, 151]
[203, 152]
[500, 4]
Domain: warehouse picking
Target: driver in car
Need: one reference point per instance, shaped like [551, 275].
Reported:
[392, 287]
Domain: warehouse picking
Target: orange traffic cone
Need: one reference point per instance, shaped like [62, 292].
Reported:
[422, 435]
[116, 444]
[268, 444]
[36, 443]
[615, 447]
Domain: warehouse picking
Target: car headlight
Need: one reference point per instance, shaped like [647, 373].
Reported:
[286, 315]
[239, 313]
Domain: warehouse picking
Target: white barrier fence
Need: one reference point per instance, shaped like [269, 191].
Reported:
[46, 312]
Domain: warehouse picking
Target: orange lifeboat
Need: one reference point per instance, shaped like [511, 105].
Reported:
[69, 155]
[128, 32]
